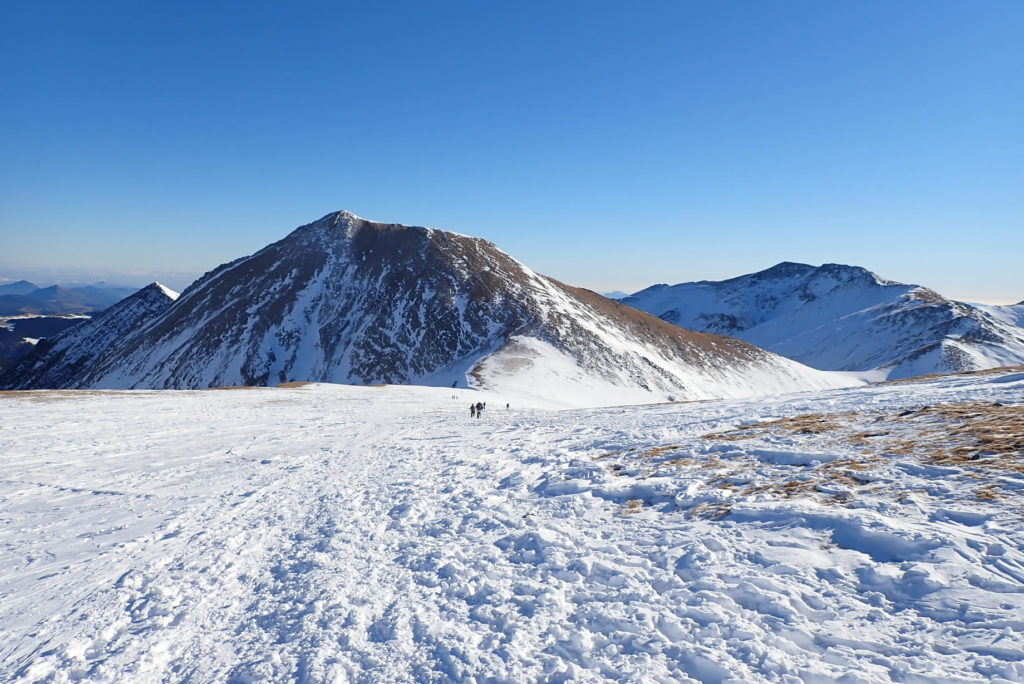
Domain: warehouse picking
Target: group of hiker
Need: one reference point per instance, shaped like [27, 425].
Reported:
[476, 409]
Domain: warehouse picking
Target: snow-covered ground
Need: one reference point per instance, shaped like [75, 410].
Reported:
[333, 533]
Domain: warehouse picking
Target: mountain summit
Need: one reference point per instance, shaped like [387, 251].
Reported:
[837, 317]
[348, 300]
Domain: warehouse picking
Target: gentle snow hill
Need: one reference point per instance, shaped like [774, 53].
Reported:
[332, 533]
[346, 300]
[836, 317]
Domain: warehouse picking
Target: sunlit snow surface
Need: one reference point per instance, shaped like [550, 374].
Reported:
[331, 533]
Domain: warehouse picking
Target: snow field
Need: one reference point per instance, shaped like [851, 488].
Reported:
[332, 533]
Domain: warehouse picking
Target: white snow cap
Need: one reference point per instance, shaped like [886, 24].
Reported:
[167, 291]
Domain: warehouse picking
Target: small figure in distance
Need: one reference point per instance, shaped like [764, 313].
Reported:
[472, 410]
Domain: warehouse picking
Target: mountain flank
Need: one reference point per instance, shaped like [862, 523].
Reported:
[347, 300]
[836, 317]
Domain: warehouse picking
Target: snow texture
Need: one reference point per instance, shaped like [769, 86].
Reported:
[335, 533]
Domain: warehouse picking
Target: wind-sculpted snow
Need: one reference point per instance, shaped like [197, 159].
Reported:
[352, 301]
[333, 533]
[838, 317]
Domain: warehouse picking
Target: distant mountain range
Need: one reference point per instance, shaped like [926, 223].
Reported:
[353, 301]
[29, 313]
[835, 317]
[57, 361]
[347, 300]
[23, 297]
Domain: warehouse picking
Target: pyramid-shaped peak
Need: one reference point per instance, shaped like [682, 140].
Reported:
[343, 216]
[162, 289]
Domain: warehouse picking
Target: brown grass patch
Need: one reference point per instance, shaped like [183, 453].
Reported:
[654, 452]
[975, 434]
[632, 506]
[970, 434]
[806, 424]
[988, 493]
[43, 396]
[710, 510]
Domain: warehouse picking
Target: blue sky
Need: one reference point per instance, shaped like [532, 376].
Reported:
[611, 145]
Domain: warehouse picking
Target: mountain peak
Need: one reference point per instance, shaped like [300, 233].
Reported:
[786, 268]
[343, 216]
[161, 288]
[348, 300]
[840, 317]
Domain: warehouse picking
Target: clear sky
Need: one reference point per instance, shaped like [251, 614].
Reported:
[612, 145]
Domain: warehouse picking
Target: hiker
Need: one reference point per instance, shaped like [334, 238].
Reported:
[479, 409]
[472, 410]
[506, 407]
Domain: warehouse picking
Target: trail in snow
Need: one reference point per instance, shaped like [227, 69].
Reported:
[329, 533]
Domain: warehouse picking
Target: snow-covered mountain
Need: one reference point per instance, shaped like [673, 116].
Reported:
[59, 361]
[1012, 314]
[347, 300]
[839, 317]
[20, 334]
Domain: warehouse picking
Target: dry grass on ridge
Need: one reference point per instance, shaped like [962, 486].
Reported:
[984, 440]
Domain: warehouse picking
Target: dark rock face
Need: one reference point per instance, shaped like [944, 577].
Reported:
[341, 299]
[15, 334]
[347, 300]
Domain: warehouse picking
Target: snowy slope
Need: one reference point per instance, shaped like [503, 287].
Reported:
[19, 334]
[57, 361]
[347, 300]
[331, 533]
[1012, 314]
[836, 317]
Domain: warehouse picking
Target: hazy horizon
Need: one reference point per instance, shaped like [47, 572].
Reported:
[179, 281]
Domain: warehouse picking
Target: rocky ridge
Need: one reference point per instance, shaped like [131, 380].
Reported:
[837, 317]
